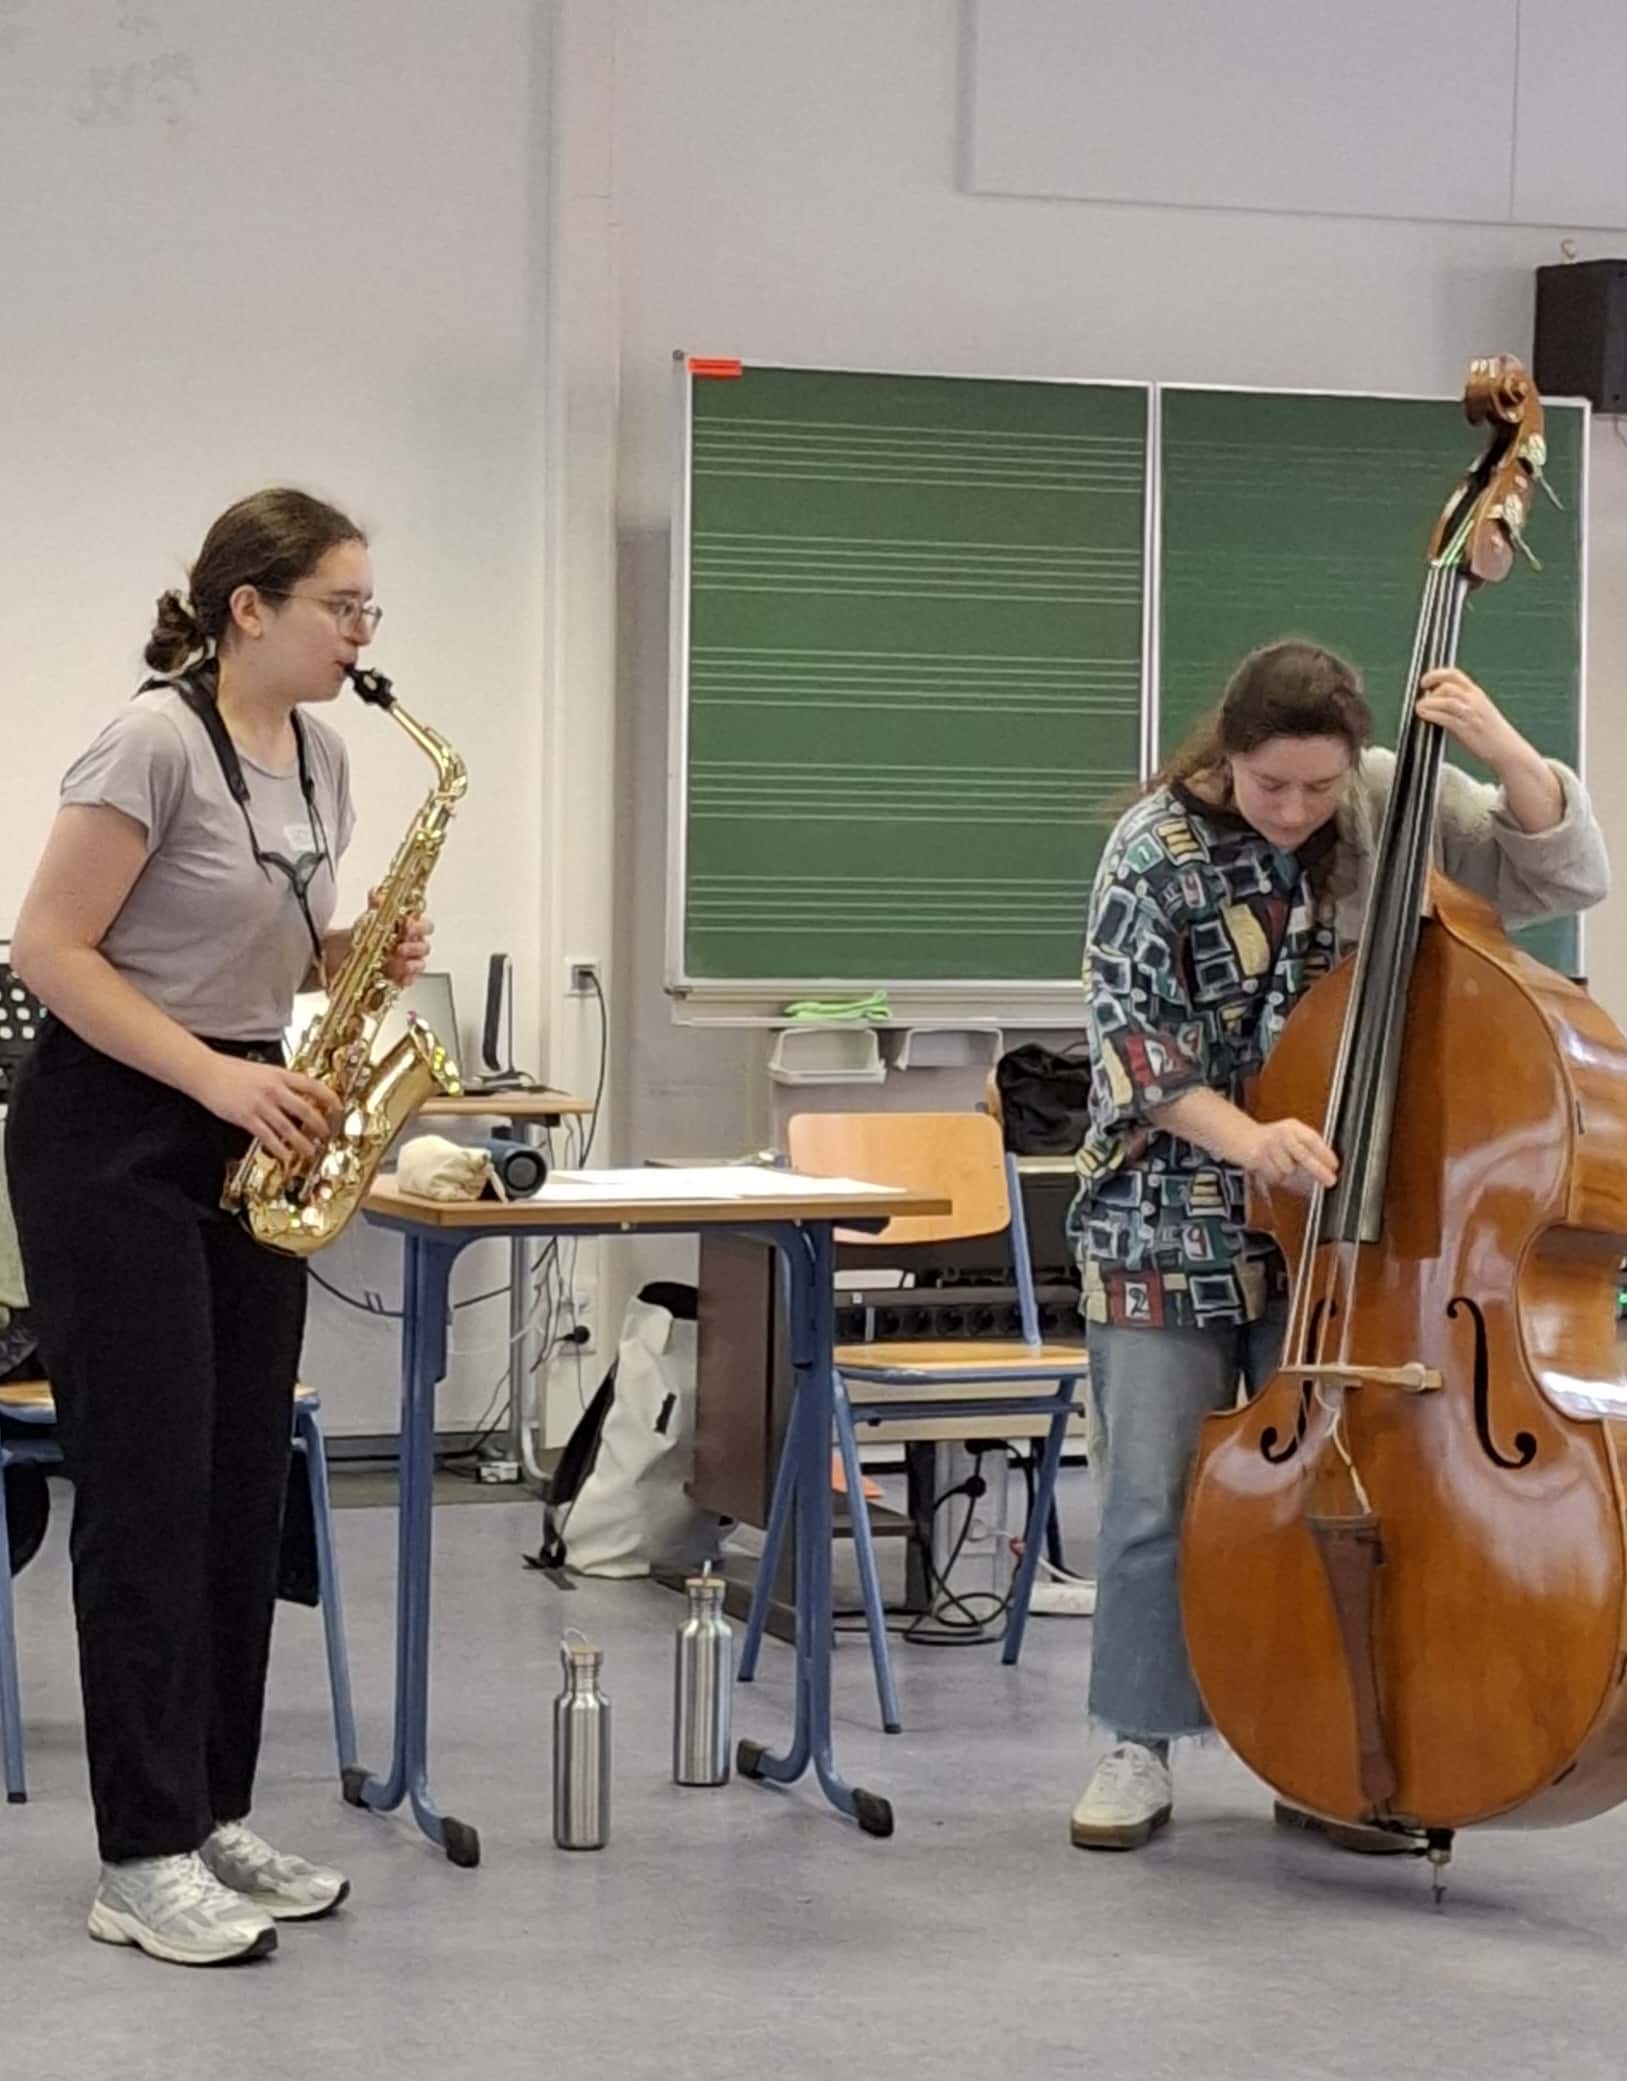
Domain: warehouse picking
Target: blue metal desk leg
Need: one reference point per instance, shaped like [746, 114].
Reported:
[428, 1271]
[809, 1253]
[11, 1704]
[768, 1562]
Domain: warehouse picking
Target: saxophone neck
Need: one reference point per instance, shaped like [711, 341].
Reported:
[451, 775]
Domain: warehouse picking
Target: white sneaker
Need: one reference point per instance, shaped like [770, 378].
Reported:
[1129, 1795]
[174, 1908]
[286, 1888]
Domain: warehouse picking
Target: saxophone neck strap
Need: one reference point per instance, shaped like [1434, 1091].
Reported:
[198, 692]
[199, 696]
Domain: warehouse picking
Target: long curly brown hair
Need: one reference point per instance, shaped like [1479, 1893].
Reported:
[1291, 688]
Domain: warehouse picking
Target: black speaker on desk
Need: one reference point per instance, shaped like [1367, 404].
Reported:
[1581, 333]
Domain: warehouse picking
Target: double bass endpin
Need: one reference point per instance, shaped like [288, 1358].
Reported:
[1438, 1849]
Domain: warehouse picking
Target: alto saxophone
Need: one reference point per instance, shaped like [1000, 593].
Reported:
[300, 1208]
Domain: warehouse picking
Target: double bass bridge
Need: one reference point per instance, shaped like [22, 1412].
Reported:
[1410, 1379]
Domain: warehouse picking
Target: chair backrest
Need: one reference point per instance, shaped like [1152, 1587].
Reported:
[954, 1156]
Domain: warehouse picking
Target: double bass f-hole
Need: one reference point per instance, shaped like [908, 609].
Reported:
[1525, 1446]
[1279, 1451]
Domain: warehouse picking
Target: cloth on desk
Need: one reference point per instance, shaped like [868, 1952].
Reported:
[431, 1167]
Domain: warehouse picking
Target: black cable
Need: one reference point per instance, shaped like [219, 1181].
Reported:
[487, 1425]
[944, 1599]
[604, 1058]
[932, 1628]
[497, 1293]
[372, 1305]
[1051, 1533]
[968, 1632]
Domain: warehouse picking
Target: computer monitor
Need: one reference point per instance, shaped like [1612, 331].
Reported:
[430, 997]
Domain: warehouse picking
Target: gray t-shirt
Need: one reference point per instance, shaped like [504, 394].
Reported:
[209, 935]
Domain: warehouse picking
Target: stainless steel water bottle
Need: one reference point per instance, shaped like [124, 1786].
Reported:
[581, 1750]
[703, 1686]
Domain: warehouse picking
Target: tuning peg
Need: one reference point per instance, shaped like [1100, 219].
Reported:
[1547, 490]
[1517, 537]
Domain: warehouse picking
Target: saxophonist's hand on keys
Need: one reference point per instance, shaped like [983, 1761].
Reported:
[292, 1115]
[409, 957]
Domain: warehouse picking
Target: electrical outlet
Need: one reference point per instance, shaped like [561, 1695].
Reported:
[582, 976]
[581, 1318]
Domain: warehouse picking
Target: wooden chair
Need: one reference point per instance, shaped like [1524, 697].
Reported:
[30, 1402]
[959, 1157]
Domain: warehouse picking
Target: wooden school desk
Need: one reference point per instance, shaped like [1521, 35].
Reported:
[797, 1216]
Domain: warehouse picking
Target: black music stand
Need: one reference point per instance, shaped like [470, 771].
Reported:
[21, 1016]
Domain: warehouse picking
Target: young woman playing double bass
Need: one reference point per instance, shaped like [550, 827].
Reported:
[1235, 881]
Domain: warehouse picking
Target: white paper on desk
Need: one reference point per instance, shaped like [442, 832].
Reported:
[715, 1181]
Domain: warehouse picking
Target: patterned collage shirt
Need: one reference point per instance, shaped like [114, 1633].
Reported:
[1202, 937]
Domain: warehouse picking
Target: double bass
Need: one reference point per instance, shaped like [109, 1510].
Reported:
[1404, 1562]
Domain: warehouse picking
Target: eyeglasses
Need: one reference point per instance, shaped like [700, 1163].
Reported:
[354, 617]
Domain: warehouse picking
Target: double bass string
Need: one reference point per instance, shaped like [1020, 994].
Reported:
[1326, 1220]
[1362, 1095]
[1394, 918]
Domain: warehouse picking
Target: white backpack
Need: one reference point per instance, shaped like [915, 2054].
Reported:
[632, 1512]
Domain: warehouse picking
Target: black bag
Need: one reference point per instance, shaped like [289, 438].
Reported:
[299, 1575]
[28, 1493]
[28, 1503]
[1044, 1098]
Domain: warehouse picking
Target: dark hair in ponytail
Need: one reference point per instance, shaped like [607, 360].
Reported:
[176, 635]
[1287, 689]
[270, 540]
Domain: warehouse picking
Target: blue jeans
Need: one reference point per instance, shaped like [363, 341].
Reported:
[1150, 1390]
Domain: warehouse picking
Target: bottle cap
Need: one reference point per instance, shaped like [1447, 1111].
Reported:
[576, 1651]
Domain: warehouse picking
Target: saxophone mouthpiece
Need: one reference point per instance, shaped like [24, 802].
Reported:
[372, 686]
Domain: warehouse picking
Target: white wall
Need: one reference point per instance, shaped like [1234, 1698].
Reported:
[244, 245]
[434, 261]
[1487, 111]
[785, 181]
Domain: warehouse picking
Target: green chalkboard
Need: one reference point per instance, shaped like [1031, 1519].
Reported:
[911, 673]
[922, 654]
[1285, 514]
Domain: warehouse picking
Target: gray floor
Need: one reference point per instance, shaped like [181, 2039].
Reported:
[746, 1932]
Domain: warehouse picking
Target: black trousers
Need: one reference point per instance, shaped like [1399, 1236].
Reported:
[172, 1341]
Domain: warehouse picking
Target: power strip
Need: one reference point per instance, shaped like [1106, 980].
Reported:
[1063, 1600]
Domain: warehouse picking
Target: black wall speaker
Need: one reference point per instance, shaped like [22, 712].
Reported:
[1581, 336]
